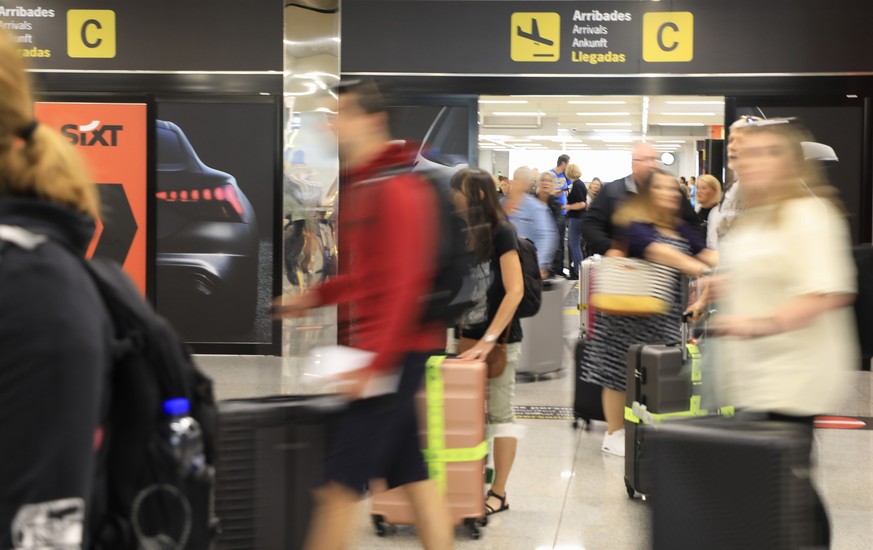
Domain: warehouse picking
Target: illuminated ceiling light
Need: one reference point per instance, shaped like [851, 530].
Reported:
[609, 124]
[690, 114]
[695, 102]
[503, 101]
[602, 114]
[597, 102]
[325, 110]
[679, 124]
[518, 113]
[681, 141]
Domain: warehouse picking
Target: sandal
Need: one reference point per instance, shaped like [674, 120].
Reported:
[503, 506]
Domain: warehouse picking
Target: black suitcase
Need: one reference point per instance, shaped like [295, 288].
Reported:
[659, 378]
[723, 483]
[271, 452]
[588, 398]
[864, 302]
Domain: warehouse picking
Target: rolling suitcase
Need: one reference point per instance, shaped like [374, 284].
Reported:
[660, 384]
[586, 279]
[451, 412]
[542, 349]
[723, 483]
[271, 452]
[588, 397]
[864, 301]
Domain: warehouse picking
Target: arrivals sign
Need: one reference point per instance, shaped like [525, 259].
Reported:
[606, 37]
[111, 137]
[153, 35]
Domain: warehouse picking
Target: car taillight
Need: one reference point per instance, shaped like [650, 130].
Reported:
[219, 202]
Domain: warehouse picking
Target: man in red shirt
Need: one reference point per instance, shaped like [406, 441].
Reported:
[388, 222]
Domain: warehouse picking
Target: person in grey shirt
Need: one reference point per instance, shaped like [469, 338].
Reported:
[531, 218]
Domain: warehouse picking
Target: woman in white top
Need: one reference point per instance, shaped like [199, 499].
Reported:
[789, 327]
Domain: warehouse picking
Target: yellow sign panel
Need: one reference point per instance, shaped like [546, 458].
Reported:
[91, 33]
[668, 37]
[535, 36]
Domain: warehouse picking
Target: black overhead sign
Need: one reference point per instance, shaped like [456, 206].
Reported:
[573, 37]
[152, 35]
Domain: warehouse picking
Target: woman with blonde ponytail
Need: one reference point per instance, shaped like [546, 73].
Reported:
[54, 330]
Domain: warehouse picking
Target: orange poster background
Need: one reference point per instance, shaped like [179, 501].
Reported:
[124, 163]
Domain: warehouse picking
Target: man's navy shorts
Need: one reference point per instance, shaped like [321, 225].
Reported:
[378, 438]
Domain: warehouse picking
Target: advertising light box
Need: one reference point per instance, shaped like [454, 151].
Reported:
[112, 138]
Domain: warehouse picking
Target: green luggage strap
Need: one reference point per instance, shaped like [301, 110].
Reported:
[694, 354]
[436, 454]
[638, 414]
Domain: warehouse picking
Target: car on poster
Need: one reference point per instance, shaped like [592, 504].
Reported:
[207, 264]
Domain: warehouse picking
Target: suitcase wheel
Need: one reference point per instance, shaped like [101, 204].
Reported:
[631, 493]
[483, 521]
[586, 424]
[380, 525]
[473, 525]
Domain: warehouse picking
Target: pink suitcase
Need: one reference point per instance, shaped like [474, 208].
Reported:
[460, 467]
[587, 272]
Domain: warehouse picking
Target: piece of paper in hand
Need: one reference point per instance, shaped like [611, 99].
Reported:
[324, 365]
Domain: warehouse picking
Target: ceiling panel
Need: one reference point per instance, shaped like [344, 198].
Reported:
[596, 121]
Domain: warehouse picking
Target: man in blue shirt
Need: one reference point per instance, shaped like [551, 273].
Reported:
[531, 218]
[562, 186]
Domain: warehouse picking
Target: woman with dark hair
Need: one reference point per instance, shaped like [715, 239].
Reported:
[499, 290]
[650, 228]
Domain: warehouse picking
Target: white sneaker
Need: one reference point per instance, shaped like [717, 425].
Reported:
[613, 443]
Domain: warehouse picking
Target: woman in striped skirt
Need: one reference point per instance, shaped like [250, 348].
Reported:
[650, 229]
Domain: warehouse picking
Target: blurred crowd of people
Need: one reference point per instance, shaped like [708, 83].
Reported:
[785, 324]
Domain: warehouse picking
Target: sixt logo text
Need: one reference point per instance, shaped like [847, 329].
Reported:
[92, 134]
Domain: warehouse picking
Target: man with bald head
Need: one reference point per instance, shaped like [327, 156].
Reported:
[598, 230]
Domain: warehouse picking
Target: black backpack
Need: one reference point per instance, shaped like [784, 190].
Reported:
[533, 281]
[142, 495]
[141, 499]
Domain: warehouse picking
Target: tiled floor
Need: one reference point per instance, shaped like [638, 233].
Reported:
[565, 493]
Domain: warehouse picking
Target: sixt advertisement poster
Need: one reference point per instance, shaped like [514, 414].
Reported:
[158, 35]
[112, 138]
